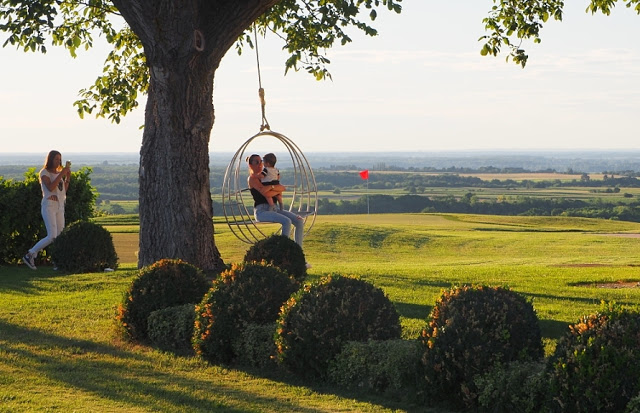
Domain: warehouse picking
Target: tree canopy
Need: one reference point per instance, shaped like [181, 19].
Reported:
[307, 29]
[510, 22]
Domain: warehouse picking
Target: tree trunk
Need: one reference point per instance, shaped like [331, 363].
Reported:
[184, 42]
[175, 199]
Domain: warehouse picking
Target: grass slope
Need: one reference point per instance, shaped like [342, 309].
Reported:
[59, 349]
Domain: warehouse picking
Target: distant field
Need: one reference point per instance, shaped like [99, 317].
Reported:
[534, 176]
[531, 176]
[624, 195]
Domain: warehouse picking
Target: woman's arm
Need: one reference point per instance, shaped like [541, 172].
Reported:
[51, 184]
[265, 190]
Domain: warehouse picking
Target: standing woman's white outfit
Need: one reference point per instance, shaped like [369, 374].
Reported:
[52, 208]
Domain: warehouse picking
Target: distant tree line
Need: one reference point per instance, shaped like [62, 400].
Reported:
[347, 180]
[120, 182]
[116, 182]
[470, 204]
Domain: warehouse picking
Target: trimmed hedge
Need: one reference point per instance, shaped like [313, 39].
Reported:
[255, 347]
[281, 252]
[171, 328]
[596, 365]
[248, 293]
[471, 329]
[318, 320]
[84, 246]
[521, 387]
[165, 283]
[390, 367]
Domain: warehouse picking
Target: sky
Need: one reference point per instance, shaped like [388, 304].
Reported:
[421, 85]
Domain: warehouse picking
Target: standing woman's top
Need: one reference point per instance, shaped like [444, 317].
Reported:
[60, 190]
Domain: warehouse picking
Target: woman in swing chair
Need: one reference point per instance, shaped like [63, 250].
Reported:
[262, 213]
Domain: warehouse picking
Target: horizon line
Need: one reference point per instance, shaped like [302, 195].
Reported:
[408, 151]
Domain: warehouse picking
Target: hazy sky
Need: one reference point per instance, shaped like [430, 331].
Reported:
[421, 85]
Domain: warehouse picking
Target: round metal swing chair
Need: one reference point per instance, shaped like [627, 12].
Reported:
[301, 196]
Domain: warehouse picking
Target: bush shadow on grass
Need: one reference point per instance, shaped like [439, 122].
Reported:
[419, 311]
[280, 375]
[124, 377]
[553, 329]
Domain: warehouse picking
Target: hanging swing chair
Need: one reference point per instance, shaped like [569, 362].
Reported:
[301, 196]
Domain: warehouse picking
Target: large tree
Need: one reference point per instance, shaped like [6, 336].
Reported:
[170, 49]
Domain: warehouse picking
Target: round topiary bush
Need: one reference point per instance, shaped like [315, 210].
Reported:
[318, 320]
[84, 246]
[166, 283]
[247, 293]
[280, 251]
[596, 365]
[470, 330]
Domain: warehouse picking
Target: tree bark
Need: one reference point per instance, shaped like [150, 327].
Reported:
[184, 42]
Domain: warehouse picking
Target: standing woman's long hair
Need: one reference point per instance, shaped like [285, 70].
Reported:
[48, 164]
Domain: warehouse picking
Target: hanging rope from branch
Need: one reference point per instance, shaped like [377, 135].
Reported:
[265, 122]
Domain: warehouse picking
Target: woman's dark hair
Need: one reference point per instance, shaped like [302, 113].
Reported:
[250, 158]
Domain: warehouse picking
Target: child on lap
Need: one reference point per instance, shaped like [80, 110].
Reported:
[271, 176]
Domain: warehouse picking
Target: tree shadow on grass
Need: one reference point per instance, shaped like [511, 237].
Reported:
[20, 279]
[127, 378]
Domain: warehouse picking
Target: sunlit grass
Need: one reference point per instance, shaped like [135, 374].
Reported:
[59, 349]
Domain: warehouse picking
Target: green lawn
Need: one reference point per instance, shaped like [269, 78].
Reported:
[59, 350]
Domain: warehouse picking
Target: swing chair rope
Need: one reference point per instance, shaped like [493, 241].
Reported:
[265, 122]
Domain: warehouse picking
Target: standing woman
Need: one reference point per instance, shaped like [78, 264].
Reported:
[54, 181]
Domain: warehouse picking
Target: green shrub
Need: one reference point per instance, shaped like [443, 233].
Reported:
[390, 367]
[84, 246]
[470, 330]
[166, 283]
[515, 387]
[21, 223]
[247, 293]
[634, 405]
[318, 320]
[596, 365]
[171, 328]
[255, 347]
[280, 251]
